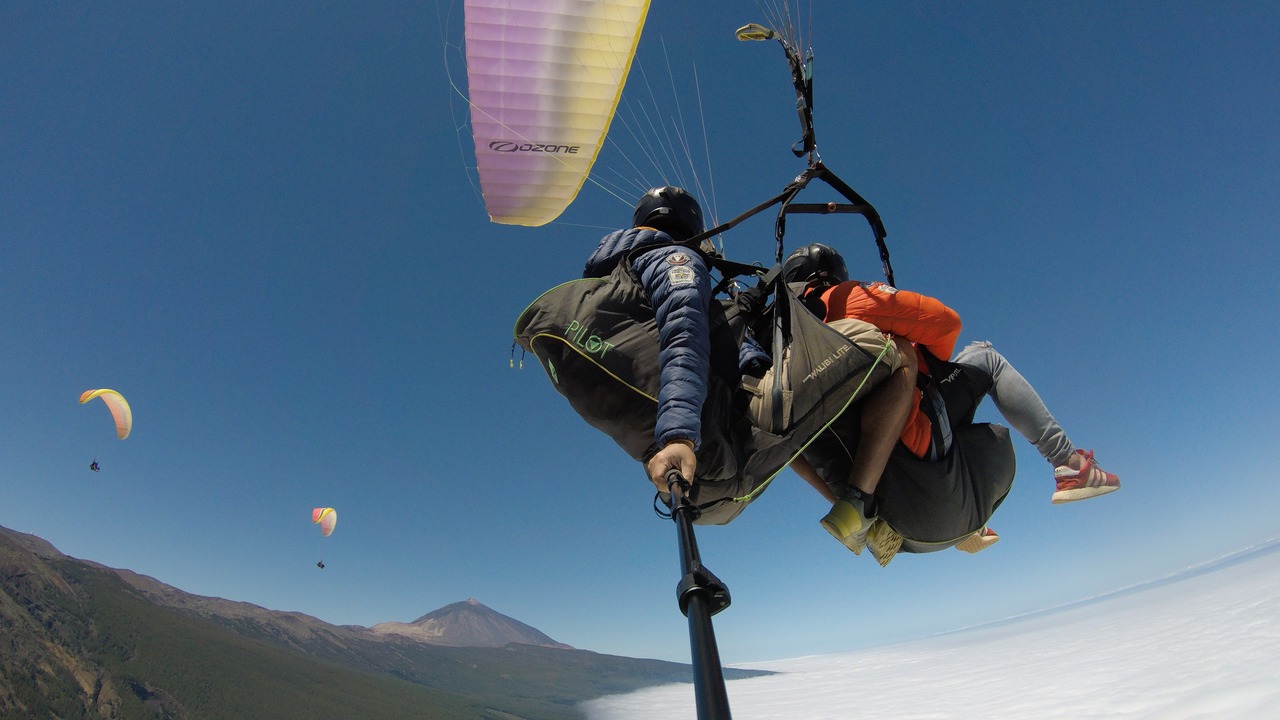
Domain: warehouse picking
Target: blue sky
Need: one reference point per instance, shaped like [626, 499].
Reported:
[257, 222]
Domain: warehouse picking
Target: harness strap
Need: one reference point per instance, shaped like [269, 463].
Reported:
[934, 406]
[857, 395]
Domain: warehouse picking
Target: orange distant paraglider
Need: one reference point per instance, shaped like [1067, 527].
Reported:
[119, 409]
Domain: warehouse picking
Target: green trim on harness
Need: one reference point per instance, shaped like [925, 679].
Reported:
[857, 393]
[590, 359]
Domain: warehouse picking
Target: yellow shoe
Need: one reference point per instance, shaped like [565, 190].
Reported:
[978, 541]
[884, 542]
[848, 523]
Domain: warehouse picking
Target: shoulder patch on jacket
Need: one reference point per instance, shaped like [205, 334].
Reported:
[878, 286]
[680, 275]
[678, 258]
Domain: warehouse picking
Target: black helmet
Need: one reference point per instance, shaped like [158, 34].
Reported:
[815, 261]
[671, 210]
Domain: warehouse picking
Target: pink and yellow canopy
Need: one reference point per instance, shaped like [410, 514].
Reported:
[544, 78]
[119, 408]
[326, 518]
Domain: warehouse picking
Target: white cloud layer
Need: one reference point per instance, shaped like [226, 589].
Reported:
[1202, 644]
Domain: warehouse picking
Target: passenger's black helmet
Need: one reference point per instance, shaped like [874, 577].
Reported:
[671, 210]
[816, 261]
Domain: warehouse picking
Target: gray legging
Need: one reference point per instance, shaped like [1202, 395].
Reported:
[1018, 402]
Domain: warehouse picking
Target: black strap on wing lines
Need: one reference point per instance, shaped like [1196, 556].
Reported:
[857, 205]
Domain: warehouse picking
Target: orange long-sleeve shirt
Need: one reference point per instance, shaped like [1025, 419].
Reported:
[919, 318]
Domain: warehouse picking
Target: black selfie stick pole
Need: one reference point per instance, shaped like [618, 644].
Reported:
[701, 595]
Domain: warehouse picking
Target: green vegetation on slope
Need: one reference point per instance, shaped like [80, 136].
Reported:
[76, 640]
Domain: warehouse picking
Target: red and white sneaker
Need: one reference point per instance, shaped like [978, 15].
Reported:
[1089, 481]
[979, 541]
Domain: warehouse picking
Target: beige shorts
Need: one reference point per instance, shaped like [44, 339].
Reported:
[863, 334]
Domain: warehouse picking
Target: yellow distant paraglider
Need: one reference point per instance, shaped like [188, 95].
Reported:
[119, 409]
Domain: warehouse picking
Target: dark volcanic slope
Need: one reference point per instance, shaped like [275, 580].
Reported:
[468, 624]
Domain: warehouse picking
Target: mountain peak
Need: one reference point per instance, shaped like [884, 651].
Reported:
[468, 624]
[36, 545]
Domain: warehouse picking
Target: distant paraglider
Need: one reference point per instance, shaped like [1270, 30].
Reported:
[116, 404]
[120, 412]
[327, 519]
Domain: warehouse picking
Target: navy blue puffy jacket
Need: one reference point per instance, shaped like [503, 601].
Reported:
[678, 284]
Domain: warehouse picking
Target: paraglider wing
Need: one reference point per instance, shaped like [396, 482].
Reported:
[326, 518]
[544, 81]
[119, 408]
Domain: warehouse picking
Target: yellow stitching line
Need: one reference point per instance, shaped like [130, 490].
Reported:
[751, 495]
[952, 543]
[589, 359]
[759, 489]
[524, 312]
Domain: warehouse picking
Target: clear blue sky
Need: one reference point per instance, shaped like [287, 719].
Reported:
[257, 222]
